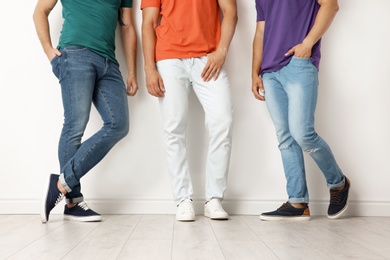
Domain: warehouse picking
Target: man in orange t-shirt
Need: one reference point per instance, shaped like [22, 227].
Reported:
[185, 45]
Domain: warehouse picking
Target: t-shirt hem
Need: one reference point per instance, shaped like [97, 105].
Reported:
[150, 3]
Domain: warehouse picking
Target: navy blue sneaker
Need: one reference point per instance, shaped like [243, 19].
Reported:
[81, 212]
[52, 197]
[287, 212]
[338, 201]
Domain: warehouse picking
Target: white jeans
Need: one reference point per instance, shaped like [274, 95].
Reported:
[179, 75]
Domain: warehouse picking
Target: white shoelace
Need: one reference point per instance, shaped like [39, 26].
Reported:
[59, 198]
[83, 205]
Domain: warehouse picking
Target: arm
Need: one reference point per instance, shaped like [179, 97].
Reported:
[41, 21]
[228, 26]
[325, 15]
[129, 45]
[257, 57]
[154, 82]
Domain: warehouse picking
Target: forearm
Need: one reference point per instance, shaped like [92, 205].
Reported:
[257, 52]
[228, 27]
[129, 45]
[325, 16]
[43, 29]
[149, 46]
[257, 56]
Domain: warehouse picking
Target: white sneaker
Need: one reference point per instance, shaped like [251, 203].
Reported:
[213, 210]
[185, 211]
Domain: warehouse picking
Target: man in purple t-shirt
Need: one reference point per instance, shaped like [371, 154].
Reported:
[286, 56]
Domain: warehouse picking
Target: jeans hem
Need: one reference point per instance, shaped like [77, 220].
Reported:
[74, 200]
[337, 185]
[63, 182]
[299, 200]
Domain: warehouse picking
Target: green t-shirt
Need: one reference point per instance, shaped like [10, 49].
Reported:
[92, 24]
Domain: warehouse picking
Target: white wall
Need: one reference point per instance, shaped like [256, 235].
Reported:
[352, 115]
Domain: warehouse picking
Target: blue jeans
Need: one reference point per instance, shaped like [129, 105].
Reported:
[87, 78]
[291, 97]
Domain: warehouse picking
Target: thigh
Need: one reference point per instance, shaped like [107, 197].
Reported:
[277, 103]
[77, 78]
[174, 104]
[214, 95]
[110, 98]
[301, 85]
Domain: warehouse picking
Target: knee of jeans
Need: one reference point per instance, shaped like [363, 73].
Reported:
[123, 128]
[286, 143]
[307, 141]
[285, 139]
[74, 129]
[119, 128]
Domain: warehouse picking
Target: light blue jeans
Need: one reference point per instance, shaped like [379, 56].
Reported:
[180, 76]
[291, 98]
[87, 78]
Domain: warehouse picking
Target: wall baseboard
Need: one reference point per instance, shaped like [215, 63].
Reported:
[233, 207]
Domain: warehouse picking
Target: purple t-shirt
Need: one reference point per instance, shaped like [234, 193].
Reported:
[287, 23]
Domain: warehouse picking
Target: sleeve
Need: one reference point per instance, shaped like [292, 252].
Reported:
[260, 10]
[151, 3]
[126, 3]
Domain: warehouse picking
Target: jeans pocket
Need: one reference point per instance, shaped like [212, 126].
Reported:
[302, 62]
[55, 66]
[52, 61]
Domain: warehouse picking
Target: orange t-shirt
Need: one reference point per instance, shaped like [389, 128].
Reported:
[187, 29]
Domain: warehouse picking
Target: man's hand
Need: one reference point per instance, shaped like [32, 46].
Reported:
[131, 86]
[302, 50]
[214, 65]
[52, 53]
[154, 83]
[258, 88]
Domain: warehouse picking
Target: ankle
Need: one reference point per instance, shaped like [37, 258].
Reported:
[61, 188]
[71, 205]
[298, 205]
[339, 188]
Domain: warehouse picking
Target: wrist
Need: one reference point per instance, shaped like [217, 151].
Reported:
[308, 42]
[47, 47]
[131, 72]
[256, 74]
[223, 51]
[131, 75]
[150, 67]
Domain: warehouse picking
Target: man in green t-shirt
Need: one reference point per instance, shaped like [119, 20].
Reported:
[88, 72]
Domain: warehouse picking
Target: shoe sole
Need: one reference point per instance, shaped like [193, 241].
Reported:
[339, 214]
[208, 215]
[300, 218]
[44, 219]
[83, 219]
[185, 219]
[218, 218]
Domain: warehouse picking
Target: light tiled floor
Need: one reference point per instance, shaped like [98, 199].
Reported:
[161, 237]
